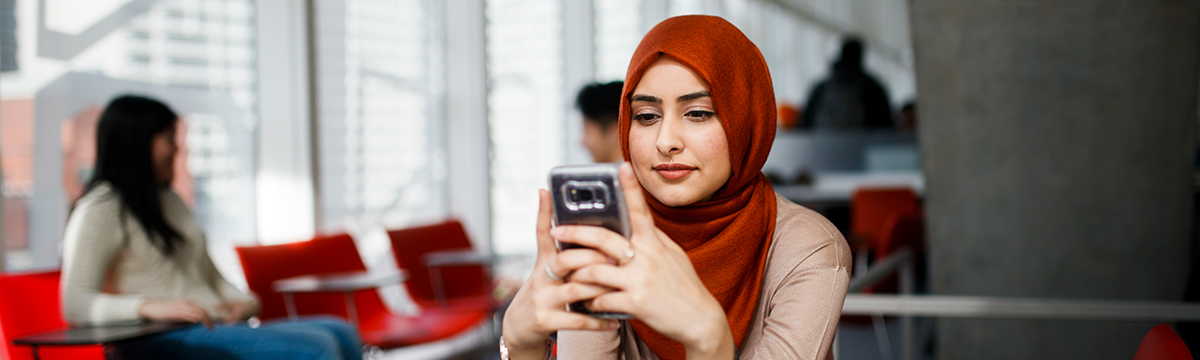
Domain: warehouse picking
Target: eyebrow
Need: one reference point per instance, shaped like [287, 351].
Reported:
[682, 98]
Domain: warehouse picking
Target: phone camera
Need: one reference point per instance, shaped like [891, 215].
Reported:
[580, 195]
[586, 195]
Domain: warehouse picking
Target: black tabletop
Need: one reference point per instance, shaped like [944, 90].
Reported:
[97, 335]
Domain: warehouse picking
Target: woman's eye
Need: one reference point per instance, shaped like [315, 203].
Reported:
[699, 115]
[646, 118]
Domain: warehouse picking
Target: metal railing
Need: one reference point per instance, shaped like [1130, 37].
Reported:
[906, 305]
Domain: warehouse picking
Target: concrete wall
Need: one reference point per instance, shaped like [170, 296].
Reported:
[1057, 139]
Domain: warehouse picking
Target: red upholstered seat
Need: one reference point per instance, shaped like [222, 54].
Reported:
[467, 287]
[1162, 343]
[30, 304]
[378, 326]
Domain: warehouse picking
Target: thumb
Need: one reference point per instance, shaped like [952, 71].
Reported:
[545, 243]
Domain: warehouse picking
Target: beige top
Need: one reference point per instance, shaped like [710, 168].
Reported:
[807, 272]
[110, 268]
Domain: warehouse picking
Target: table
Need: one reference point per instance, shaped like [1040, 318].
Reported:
[344, 282]
[94, 335]
[839, 187]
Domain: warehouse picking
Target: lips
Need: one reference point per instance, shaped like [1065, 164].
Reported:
[673, 171]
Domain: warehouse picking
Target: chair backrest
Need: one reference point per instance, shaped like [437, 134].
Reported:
[1162, 343]
[30, 304]
[900, 230]
[263, 265]
[871, 207]
[411, 244]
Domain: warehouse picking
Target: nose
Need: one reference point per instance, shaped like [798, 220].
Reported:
[670, 141]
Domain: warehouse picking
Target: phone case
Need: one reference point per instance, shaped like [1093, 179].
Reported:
[589, 195]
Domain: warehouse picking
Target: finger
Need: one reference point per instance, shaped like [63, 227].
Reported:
[640, 220]
[604, 275]
[572, 292]
[616, 301]
[572, 321]
[208, 323]
[569, 260]
[545, 243]
[199, 313]
[606, 241]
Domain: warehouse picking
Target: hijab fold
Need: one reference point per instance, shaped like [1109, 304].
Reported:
[726, 237]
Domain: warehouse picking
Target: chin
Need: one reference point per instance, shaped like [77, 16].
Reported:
[674, 197]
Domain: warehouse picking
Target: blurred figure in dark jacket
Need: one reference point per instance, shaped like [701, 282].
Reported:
[849, 98]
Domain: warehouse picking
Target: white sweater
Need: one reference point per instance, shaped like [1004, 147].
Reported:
[110, 267]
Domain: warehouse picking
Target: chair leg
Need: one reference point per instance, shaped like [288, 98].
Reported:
[881, 337]
[289, 304]
[439, 289]
[352, 309]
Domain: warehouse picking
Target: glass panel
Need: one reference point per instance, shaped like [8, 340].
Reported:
[384, 164]
[198, 56]
[526, 113]
[618, 32]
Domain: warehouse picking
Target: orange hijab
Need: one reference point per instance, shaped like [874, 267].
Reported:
[726, 237]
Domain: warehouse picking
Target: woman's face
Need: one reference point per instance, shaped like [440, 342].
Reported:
[162, 154]
[676, 143]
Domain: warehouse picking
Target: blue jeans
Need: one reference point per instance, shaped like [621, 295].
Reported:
[310, 338]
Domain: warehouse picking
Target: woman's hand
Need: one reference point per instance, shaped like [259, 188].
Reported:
[236, 311]
[176, 310]
[657, 285]
[540, 306]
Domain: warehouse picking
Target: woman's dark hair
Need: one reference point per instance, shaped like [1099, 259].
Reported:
[601, 103]
[123, 159]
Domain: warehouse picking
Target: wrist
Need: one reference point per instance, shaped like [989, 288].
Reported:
[712, 340]
[523, 344]
[508, 351]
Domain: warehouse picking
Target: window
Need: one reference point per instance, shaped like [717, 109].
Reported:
[526, 113]
[205, 71]
[382, 158]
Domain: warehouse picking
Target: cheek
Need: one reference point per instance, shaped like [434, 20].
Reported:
[715, 150]
[641, 146]
[162, 152]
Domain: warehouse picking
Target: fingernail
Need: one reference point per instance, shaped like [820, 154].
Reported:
[613, 324]
[556, 232]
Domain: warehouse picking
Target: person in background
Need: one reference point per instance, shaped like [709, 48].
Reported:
[600, 105]
[849, 98]
[133, 252]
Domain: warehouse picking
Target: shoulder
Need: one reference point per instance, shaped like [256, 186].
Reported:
[804, 238]
[101, 201]
[171, 200]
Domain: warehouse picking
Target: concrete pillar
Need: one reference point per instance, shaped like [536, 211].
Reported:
[1058, 139]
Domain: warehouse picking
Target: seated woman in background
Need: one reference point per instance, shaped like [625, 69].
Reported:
[718, 264]
[133, 252]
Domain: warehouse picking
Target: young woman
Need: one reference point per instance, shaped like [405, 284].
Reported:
[718, 265]
[134, 253]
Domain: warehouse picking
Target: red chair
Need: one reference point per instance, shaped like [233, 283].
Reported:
[464, 285]
[30, 304]
[871, 208]
[377, 325]
[902, 230]
[1162, 343]
[882, 221]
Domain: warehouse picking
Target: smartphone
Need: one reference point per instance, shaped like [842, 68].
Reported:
[589, 195]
